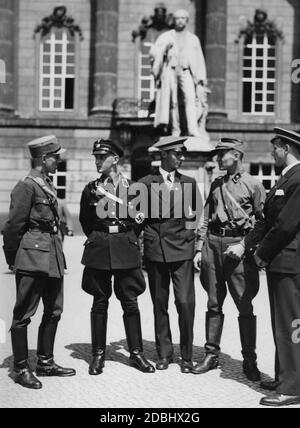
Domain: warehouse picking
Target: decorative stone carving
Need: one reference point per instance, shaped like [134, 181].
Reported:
[160, 21]
[260, 25]
[58, 19]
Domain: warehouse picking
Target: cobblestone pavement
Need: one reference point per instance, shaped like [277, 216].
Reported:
[120, 385]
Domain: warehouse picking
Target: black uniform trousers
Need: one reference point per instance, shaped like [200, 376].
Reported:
[128, 285]
[219, 271]
[284, 293]
[30, 289]
[182, 275]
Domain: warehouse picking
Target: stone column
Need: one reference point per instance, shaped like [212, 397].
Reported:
[7, 100]
[105, 55]
[215, 55]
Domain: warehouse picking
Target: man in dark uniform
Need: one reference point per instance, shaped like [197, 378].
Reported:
[234, 201]
[111, 249]
[279, 252]
[33, 247]
[169, 249]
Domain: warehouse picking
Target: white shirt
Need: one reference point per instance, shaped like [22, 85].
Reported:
[165, 174]
[287, 168]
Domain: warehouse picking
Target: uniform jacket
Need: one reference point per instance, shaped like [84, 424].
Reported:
[170, 239]
[28, 244]
[246, 190]
[102, 250]
[162, 69]
[280, 237]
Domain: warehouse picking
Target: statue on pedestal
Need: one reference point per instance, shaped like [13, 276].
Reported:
[179, 70]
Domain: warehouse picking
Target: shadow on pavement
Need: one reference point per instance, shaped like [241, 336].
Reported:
[230, 368]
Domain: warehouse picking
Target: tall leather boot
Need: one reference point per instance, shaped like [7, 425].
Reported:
[22, 372]
[248, 341]
[214, 327]
[46, 365]
[98, 333]
[132, 323]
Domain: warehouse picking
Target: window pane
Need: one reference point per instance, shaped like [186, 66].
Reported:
[271, 63]
[247, 91]
[270, 86]
[57, 82]
[70, 70]
[247, 73]
[58, 59]
[254, 168]
[70, 47]
[146, 60]
[259, 63]
[258, 86]
[145, 84]
[247, 63]
[57, 104]
[69, 93]
[259, 74]
[57, 93]
[58, 35]
[271, 52]
[145, 95]
[270, 97]
[247, 51]
[45, 103]
[145, 71]
[46, 69]
[61, 180]
[266, 169]
[270, 108]
[62, 166]
[61, 193]
[57, 70]
[46, 47]
[267, 184]
[259, 52]
[271, 74]
[46, 93]
[258, 108]
[260, 40]
[46, 59]
[58, 47]
[258, 97]
[46, 81]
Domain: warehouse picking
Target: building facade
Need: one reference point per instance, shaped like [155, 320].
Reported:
[81, 71]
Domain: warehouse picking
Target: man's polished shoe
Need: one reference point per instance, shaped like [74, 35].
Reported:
[278, 400]
[26, 378]
[163, 363]
[47, 367]
[270, 386]
[186, 366]
[97, 364]
[210, 362]
[138, 361]
[251, 371]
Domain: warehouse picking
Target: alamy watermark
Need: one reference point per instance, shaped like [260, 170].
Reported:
[141, 202]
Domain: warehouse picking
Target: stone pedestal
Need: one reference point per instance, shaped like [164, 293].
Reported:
[105, 55]
[215, 56]
[7, 95]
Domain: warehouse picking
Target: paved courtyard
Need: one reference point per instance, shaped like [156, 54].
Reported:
[120, 385]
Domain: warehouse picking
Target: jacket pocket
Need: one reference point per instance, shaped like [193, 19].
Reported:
[34, 253]
[134, 242]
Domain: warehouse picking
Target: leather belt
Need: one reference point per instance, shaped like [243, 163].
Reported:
[52, 230]
[113, 228]
[226, 232]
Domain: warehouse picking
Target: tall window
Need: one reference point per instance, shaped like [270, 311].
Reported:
[259, 77]
[57, 71]
[146, 92]
[60, 179]
[267, 173]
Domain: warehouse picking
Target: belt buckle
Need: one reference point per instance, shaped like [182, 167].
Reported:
[222, 231]
[113, 229]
